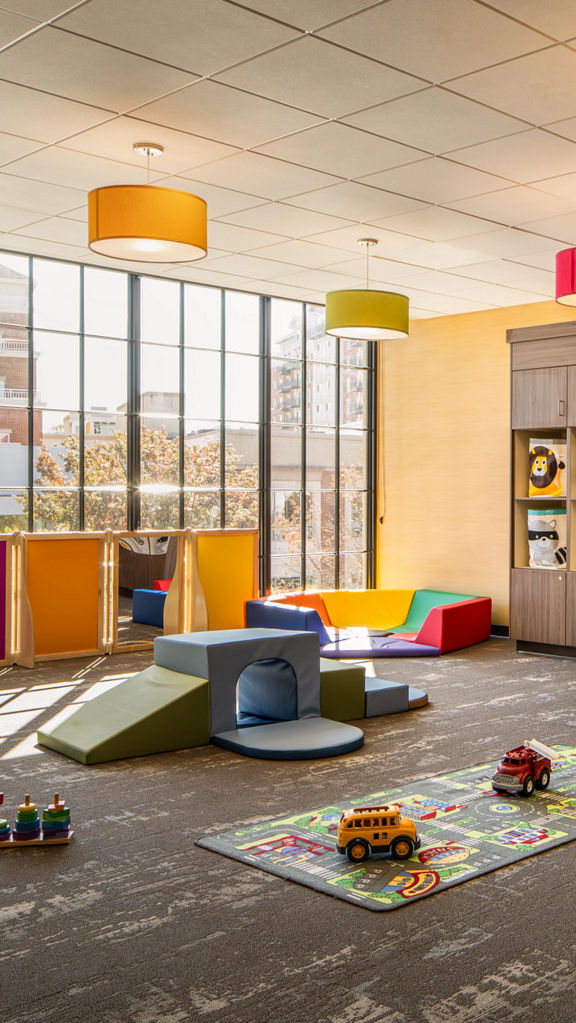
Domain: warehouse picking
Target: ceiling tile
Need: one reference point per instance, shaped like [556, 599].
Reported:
[301, 253]
[218, 112]
[38, 247]
[542, 260]
[562, 229]
[11, 218]
[436, 39]
[566, 128]
[436, 120]
[540, 87]
[40, 10]
[555, 17]
[305, 15]
[523, 158]
[346, 151]
[513, 206]
[502, 271]
[441, 255]
[221, 201]
[382, 271]
[68, 232]
[510, 242]
[190, 34]
[347, 238]
[273, 288]
[77, 170]
[495, 295]
[263, 175]
[249, 266]
[318, 280]
[436, 223]
[12, 147]
[35, 195]
[445, 304]
[13, 26]
[241, 239]
[356, 201]
[44, 117]
[563, 186]
[58, 62]
[287, 220]
[435, 180]
[115, 139]
[314, 75]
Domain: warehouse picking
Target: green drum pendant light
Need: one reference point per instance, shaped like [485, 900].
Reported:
[360, 314]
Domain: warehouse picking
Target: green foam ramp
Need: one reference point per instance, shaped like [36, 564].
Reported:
[155, 711]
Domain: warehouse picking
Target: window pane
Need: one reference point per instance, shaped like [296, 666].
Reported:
[320, 459]
[354, 398]
[285, 458]
[321, 394]
[241, 466]
[320, 509]
[56, 295]
[105, 509]
[353, 506]
[242, 388]
[353, 574]
[241, 509]
[56, 511]
[202, 316]
[319, 346]
[354, 353]
[54, 388]
[105, 443]
[353, 459]
[159, 453]
[13, 289]
[286, 388]
[14, 446]
[201, 509]
[105, 375]
[202, 397]
[105, 302]
[285, 532]
[285, 329]
[160, 311]
[159, 510]
[284, 574]
[160, 387]
[321, 571]
[13, 510]
[242, 322]
[201, 454]
[57, 454]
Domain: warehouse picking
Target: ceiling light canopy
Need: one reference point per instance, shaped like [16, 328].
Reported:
[366, 314]
[147, 223]
[566, 277]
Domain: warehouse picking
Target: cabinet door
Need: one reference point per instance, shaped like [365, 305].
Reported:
[538, 605]
[571, 609]
[539, 398]
[571, 395]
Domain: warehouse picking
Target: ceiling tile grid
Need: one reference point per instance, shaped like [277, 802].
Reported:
[446, 129]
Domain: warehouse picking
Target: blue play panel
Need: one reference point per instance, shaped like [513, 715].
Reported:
[305, 739]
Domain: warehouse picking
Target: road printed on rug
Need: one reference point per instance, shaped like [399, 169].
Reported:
[466, 829]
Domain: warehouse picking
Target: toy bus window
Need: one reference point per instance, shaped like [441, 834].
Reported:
[350, 824]
[357, 823]
[375, 822]
[393, 822]
[376, 835]
[385, 822]
[367, 823]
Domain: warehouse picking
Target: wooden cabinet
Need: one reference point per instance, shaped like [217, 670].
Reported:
[543, 408]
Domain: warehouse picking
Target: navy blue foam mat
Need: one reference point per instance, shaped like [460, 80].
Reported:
[304, 739]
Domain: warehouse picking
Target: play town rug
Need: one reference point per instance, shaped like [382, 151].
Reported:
[465, 827]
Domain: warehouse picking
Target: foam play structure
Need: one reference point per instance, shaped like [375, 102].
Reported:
[379, 623]
[259, 692]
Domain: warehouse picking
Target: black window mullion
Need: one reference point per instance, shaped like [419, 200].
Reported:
[181, 410]
[31, 402]
[371, 467]
[133, 402]
[303, 425]
[81, 412]
[222, 409]
[337, 488]
[264, 439]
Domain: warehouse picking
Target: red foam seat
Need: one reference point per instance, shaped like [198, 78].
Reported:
[453, 626]
[162, 584]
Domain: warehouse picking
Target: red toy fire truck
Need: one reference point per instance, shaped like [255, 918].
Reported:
[524, 768]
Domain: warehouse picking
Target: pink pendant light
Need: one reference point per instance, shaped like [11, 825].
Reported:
[566, 277]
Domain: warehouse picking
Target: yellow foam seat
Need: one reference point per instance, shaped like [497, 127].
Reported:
[369, 609]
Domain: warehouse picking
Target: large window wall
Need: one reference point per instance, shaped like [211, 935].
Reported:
[131, 401]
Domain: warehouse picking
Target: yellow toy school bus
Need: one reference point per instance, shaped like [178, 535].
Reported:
[376, 829]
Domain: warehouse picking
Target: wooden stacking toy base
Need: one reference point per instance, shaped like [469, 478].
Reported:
[18, 843]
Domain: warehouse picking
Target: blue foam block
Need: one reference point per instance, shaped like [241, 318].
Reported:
[148, 607]
[306, 739]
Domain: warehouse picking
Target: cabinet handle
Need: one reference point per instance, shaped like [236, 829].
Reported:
[561, 407]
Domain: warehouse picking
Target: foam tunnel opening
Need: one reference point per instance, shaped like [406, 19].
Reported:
[266, 692]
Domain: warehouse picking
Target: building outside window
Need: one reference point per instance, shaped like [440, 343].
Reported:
[128, 401]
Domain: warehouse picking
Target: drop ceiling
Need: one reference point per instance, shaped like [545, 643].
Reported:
[446, 129]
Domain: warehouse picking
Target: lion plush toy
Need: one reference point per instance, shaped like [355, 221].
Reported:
[545, 472]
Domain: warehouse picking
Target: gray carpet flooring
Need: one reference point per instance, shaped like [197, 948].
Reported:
[133, 923]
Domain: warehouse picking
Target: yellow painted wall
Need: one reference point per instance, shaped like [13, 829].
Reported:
[443, 453]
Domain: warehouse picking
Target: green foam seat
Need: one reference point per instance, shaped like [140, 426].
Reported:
[341, 690]
[155, 711]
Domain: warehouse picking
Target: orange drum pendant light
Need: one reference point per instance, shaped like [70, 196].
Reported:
[366, 314]
[566, 277]
[147, 223]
